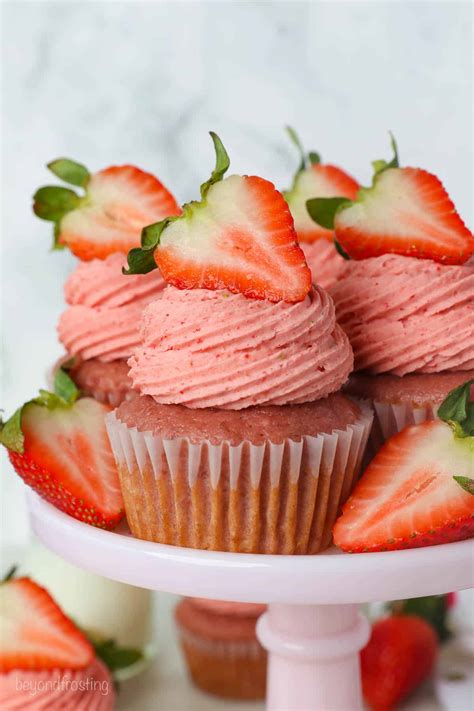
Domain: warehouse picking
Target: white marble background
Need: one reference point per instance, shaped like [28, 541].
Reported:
[143, 82]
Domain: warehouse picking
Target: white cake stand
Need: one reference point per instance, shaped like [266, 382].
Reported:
[312, 630]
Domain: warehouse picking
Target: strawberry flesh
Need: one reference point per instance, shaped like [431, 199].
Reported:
[240, 238]
[35, 634]
[119, 202]
[68, 461]
[406, 212]
[317, 181]
[407, 497]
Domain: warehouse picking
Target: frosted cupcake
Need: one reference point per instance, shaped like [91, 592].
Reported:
[220, 646]
[99, 329]
[45, 660]
[315, 179]
[240, 439]
[406, 298]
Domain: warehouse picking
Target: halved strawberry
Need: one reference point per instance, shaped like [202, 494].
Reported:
[239, 237]
[414, 492]
[407, 211]
[59, 446]
[34, 632]
[313, 179]
[118, 202]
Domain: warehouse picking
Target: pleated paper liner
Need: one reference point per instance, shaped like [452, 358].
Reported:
[228, 668]
[268, 498]
[389, 419]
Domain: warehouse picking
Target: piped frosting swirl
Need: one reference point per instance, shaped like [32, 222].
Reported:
[205, 348]
[105, 307]
[406, 315]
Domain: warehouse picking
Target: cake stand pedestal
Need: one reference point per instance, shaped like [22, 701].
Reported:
[312, 629]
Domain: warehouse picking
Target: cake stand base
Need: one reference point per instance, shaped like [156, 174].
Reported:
[313, 656]
[312, 629]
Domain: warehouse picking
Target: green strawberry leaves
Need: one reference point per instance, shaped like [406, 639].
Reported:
[380, 165]
[70, 172]
[53, 202]
[465, 483]
[222, 164]
[457, 410]
[141, 260]
[113, 656]
[324, 210]
[311, 158]
[65, 395]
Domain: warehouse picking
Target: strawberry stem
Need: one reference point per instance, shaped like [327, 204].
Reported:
[222, 164]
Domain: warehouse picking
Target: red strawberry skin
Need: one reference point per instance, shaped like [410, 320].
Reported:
[240, 238]
[406, 212]
[400, 654]
[68, 461]
[407, 497]
[34, 632]
[318, 180]
[119, 202]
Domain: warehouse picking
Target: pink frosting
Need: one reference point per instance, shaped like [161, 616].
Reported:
[205, 348]
[406, 315]
[89, 689]
[325, 262]
[237, 609]
[105, 308]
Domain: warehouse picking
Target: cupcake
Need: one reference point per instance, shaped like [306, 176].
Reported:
[45, 660]
[99, 328]
[240, 439]
[315, 179]
[406, 298]
[220, 646]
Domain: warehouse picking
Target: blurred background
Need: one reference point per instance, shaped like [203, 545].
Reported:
[143, 82]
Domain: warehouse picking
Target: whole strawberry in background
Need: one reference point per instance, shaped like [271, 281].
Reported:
[316, 179]
[58, 445]
[418, 491]
[400, 655]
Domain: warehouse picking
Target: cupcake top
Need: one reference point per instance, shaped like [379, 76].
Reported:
[407, 315]
[240, 324]
[227, 622]
[204, 348]
[405, 299]
[104, 308]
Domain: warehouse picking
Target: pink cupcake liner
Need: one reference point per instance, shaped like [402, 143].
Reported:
[268, 498]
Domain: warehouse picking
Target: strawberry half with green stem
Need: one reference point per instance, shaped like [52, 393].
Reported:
[34, 632]
[399, 656]
[414, 492]
[240, 237]
[406, 211]
[109, 215]
[315, 179]
[58, 445]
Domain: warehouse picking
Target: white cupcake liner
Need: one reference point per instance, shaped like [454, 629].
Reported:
[268, 498]
[230, 649]
[393, 418]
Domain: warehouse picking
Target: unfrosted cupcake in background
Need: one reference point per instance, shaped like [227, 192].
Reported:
[240, 440]
[220, 647]
[316, 179]
[99, 329]
[406, 301]
[45, 660]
